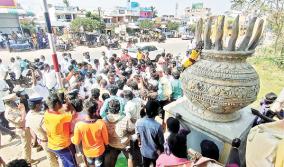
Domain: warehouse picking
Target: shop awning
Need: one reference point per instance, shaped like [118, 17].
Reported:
[20, 12]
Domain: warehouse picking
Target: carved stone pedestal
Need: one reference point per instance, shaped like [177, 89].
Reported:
[220, 133]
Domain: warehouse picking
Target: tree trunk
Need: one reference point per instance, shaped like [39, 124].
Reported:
[276, 44]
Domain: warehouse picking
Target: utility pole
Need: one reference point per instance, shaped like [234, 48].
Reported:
[176, 10]
[51, 44]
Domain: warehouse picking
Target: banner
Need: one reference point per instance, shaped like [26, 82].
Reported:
[197, 5]
[146, 14]
[8, 4]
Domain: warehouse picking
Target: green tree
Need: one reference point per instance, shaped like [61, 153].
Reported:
[154, 11]
[146, 24]
[93, 16]
[192, 27]
[88, 24]
[172, 25]
[28, 26]
[273, 9]
[66, 2]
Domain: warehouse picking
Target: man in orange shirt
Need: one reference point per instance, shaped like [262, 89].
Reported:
[93, 134]
[57, 121]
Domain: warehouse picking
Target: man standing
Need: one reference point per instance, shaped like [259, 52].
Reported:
[16, 114]
[4, 90]
[113, 91]
[57, 122]
[34, 120]
[1, 40]
[150, 134]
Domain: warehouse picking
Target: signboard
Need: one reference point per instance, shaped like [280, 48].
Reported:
[146, 14]
[197, 5]
[120, 11]
[8, 4]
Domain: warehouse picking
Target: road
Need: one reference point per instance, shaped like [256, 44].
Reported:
[173, 45]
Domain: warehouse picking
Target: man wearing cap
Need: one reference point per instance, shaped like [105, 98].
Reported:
[34, 121]
[16, 114]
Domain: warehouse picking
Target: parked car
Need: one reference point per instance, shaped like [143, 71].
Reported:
[187, 37]
[153, 51]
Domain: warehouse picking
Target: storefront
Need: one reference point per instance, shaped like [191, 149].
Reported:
[9, 19]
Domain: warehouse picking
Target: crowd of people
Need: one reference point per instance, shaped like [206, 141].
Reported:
[107, 106]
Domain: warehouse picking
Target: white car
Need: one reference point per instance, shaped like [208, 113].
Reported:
[187, 37]
[152, 49]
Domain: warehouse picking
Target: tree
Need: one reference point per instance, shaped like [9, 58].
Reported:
[88, 24]
[154, 11]
[172, 25]
[28, 26]
[146, 24]
[66, 2]
[192, 27]
[273, 9]
[93, 16]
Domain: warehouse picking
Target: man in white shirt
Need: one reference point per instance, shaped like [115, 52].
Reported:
[15, 67]
[109, 52]
[133, 106]
[38, 88]
[49, 77]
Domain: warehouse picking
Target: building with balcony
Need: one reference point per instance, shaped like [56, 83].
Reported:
[121, 15]
[61, 16]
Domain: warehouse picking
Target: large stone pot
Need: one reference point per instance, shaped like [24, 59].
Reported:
[221, 83]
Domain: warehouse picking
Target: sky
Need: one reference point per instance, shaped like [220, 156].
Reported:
[163, 6]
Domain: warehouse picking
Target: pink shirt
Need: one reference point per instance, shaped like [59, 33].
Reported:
[168, 160]
[79, 116]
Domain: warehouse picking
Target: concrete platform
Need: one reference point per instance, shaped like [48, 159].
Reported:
[221, 134]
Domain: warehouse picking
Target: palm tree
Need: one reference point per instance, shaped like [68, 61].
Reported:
[66, 2]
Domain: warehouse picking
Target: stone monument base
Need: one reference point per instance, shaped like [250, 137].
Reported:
[220, 133]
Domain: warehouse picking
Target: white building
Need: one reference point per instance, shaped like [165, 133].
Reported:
[62, 15]
[121, 15]
[9, 19]
[192, 15]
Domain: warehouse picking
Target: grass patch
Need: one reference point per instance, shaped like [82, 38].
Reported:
[121, 162]
[271, 76]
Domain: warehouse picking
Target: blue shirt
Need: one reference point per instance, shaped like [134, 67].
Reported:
[104, 109]
[151, 136]
[176, 89]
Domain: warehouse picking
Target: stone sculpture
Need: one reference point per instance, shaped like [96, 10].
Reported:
[222, 82]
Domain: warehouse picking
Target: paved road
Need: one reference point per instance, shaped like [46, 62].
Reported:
[174, 46]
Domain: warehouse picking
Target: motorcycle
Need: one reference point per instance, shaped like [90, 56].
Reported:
[115, 45]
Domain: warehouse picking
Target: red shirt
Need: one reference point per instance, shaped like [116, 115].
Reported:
[125, 57]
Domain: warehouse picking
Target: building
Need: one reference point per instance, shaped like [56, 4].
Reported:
[194, 14]
[9, 16]
[61, 16]
[122, 15]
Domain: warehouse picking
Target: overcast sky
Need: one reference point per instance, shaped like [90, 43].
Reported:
[163, 6]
